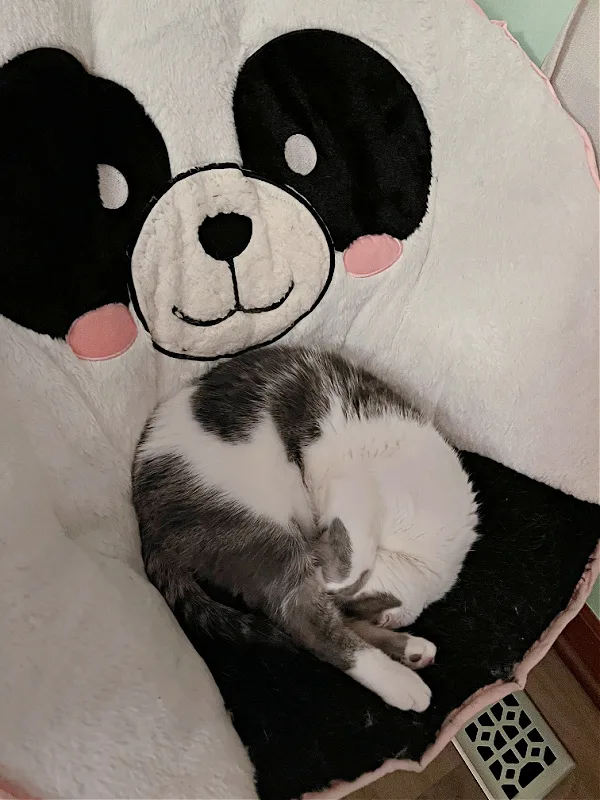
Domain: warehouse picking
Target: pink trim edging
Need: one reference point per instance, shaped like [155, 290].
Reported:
[483, 697]
[477, 8]
[587, 142]
[10, 791]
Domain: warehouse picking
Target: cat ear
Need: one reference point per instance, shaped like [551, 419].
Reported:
[334, 552]
[335, 528]
[338, 536]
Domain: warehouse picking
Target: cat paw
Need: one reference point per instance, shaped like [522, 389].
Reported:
[396, 684]
[418, 652]
[407, 693]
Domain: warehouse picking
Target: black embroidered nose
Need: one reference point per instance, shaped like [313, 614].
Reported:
[225, 236]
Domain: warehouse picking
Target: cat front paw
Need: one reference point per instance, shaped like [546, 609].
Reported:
[392, 681]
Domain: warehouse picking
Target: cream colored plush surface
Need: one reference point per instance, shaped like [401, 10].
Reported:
[101, 695]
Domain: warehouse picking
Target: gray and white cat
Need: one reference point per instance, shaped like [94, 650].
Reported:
[310, 489]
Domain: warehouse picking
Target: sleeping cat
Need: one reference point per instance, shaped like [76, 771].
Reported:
[310, 489]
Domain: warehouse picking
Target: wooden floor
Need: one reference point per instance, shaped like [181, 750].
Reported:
[568, 710]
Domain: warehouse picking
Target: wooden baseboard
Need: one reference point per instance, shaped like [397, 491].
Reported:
[579, 647]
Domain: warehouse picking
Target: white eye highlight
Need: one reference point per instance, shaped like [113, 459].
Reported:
[300, 154]
[112, 186]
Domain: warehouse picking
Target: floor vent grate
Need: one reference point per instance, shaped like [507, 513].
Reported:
[512, 752]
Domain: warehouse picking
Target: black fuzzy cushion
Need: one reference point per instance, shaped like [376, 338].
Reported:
[306, 724]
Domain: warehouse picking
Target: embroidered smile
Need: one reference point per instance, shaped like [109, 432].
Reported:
[205, 323]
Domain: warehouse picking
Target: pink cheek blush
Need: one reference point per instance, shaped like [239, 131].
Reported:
[371, 254]
[103, 333]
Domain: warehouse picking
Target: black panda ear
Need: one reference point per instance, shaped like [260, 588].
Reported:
[62, 251]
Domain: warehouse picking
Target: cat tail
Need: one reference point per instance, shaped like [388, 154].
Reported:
[202, 617]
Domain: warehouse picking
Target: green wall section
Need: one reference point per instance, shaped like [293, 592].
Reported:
[535, 23]
[594, 599]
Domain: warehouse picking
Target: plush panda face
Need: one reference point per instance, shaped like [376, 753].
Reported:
[251, 259]
[329, 174]
[336, 157]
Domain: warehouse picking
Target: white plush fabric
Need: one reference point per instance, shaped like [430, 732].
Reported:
[101, 695]
[500, 332]
[489, 319]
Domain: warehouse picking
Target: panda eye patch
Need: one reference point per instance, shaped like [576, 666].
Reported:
[300, 154]
[328, 116]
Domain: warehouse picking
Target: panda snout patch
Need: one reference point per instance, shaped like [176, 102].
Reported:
[224, 238]
[227, 261]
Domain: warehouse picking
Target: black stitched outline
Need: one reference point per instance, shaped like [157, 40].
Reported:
[250, 174]
[201, 323]
[273, 306]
